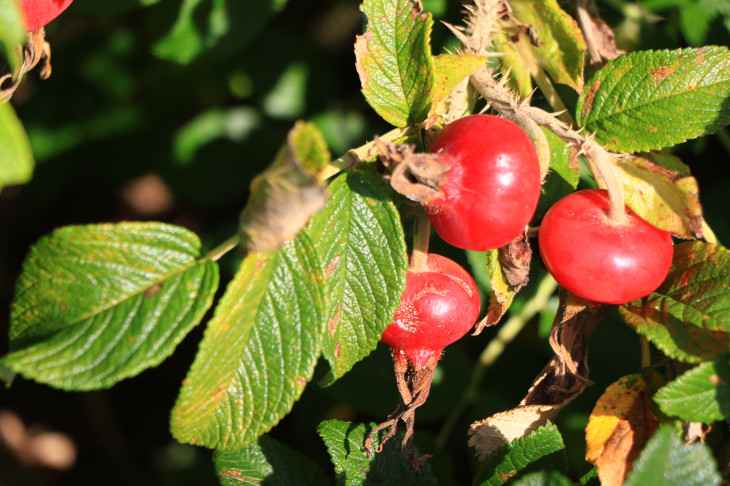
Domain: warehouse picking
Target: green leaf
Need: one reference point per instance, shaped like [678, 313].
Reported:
[394, 62]
[16, 157]
[96, 304]
[688, 317]
[345, 443]
[653, 99]
[258, 351]
[562, 161]
[362, 249]
[550, 478]
[667, 461]
[561, 48]
[269, 462]
[701, 394]
[12, 34]
[543, 448]
[220, 26]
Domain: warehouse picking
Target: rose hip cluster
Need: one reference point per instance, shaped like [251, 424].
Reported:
[486, 198]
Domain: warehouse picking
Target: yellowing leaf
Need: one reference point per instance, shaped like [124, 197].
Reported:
[450, 70]
[662, 197]
[618, 428]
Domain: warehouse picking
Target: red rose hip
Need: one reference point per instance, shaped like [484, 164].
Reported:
[598, 259]
[38, 13]
[492, 186]
[439, 306]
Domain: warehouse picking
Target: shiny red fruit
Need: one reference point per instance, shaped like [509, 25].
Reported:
[439, 306]
[38, 13]
[491, 189]
[598, 260]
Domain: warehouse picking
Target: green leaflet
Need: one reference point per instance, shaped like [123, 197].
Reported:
[688, 317]
[543, 448]
[16, 157]
[362, 249]
[270, 462]
[12, 34]
[550, 478]
[345, 443]
[560, 51]
[701, 394]
[96, 304]
[394, 62]
[653, 99]
[258, 351]
[218, 26]
[667, 461]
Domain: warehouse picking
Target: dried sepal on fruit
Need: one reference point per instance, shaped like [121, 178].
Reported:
[440, 304]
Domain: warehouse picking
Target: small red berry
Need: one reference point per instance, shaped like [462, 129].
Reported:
[598, 259]
[492, 186]
[38, 13]
[440, 305]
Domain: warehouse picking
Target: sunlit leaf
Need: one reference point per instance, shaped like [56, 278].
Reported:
[96, 304]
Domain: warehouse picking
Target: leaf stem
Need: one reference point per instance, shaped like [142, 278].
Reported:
[551, 95]
[421, 237]
[494, 350]
[216, 253]
[645, 352]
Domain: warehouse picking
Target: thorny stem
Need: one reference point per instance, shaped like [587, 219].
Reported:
[364, 152]
[421, 236]
[216, 253]
[505, 102]
[545, 289]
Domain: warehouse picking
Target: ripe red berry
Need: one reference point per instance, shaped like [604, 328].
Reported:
[38, 13]
[598, 259]
[439, 306]
[491, 189]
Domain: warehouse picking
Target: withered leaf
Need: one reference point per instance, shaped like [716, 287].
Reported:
[619, 427]
[509, 268]
[286, 195]
[563, 378]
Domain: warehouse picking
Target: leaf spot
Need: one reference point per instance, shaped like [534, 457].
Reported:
[301, 382]
[332, 324]
[661, 73]
[238, 475]
[151, 291]
[332, 266]
[717, 381]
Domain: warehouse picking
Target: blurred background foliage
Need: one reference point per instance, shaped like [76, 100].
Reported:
[165, 110]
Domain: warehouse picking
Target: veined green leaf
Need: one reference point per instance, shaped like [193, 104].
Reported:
[16, 157]
[543, 448]
[667, 461]
[653, 99]
[701, 394]
[270, 462]
[389, 467]
[258, 351]
[688, 317]
[394, 62]
[362, 249]
[550, 478]
[96, 304]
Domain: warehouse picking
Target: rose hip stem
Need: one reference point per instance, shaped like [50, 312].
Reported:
[421, 237]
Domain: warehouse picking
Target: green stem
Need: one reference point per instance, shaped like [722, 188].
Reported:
[494, 349]
[216, 253]
[551, 95]
[364, 152]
